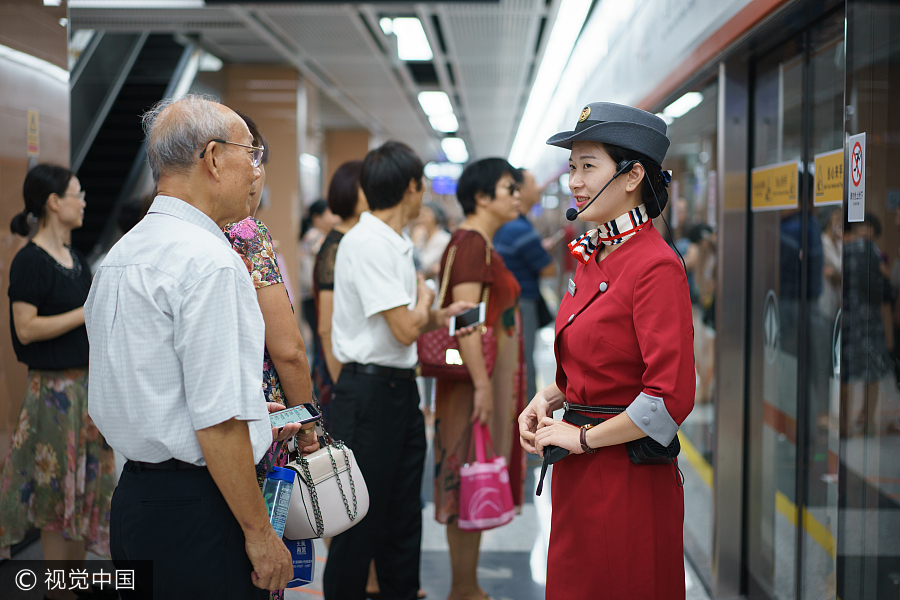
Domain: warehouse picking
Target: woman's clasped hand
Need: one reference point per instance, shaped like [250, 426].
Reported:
[551, 432]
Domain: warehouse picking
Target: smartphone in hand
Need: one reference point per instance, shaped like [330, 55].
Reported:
[468, 318]
[302, 413]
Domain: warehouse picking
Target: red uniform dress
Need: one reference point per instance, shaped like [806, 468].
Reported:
[624, 337]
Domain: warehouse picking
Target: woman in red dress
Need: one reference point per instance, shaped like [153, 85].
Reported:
[624, 342]
[488, 194]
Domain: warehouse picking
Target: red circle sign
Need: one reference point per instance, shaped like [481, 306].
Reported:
[856, 165]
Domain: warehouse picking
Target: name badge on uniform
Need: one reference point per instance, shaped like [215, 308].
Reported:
[572, 288]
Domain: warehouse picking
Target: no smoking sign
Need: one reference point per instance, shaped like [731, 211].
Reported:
[856, 187]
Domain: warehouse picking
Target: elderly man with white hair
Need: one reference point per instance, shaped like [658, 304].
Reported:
[176, 343]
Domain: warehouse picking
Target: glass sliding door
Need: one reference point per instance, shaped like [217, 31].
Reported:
[776, 242]
[795, 299]
[818, 458]
[868, 561]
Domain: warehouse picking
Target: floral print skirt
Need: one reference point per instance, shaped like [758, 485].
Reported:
[59, 473]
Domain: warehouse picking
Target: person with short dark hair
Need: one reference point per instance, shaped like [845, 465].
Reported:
[488, 191]
[387, 173]
[380, 308]
[345, 197]
[347, 201]
[478, 178]
[59, 474]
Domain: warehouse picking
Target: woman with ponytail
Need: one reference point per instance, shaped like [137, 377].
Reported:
[625, 374]
[59, 473]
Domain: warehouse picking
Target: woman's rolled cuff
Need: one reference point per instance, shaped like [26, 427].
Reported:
[650, 415]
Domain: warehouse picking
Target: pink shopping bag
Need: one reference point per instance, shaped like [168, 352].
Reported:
[485, 496]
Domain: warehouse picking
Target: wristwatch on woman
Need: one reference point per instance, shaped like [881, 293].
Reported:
[587, 449]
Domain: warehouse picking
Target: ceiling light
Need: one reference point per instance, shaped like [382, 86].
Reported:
[387, 25]
[35, 63]
[52, 2]
[433, 170]
[445, 123]
[412, 44]
[455, 149]
[683, 105]
[566, 29]
[435, 104]
[665, 118]
[209, 63]
[64, 22]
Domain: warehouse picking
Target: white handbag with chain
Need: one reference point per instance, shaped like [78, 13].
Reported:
[330, 494]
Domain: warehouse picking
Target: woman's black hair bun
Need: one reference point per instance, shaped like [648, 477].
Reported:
[20, 224]
[656, 205]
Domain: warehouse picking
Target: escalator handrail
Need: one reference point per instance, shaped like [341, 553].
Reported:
[139, 179]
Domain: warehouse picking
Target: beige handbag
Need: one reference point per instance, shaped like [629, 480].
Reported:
[330, 494]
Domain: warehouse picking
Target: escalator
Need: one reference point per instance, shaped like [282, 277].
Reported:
[123, 76]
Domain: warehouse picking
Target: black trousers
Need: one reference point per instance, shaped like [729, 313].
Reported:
[180, 521]
[379, 419]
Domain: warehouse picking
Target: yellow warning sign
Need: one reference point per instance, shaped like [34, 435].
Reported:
[33, 137]
[774, 187]
[829, 178]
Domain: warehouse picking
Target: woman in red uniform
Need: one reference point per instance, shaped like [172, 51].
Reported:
[625, 375]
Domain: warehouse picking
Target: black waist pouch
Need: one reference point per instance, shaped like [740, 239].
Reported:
[643, 451]
[647, 451]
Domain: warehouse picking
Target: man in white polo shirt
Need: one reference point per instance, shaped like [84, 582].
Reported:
[175, 384]
[380, 308]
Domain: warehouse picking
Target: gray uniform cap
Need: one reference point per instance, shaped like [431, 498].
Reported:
[623, 126]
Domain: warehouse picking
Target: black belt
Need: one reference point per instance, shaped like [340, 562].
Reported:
[167, 465]
[389, 372]
[554, 454]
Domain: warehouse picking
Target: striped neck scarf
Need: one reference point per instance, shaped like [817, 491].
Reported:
[615, 232]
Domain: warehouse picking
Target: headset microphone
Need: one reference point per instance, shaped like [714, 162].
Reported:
[623, 166]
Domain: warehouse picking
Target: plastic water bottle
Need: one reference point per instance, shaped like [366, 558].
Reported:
[277, 493]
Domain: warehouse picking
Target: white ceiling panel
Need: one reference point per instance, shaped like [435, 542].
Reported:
[332, 116]
[501, 37]
[326, 35]
[478, 77]
[490, 48]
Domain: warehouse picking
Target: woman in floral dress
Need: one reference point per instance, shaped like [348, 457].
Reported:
[59, 473]
[286, 379]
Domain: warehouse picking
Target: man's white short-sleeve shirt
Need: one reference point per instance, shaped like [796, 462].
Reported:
[176, 338]
[373, 272]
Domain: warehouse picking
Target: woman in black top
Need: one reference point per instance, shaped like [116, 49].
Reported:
[347, 201]
[59, 473]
